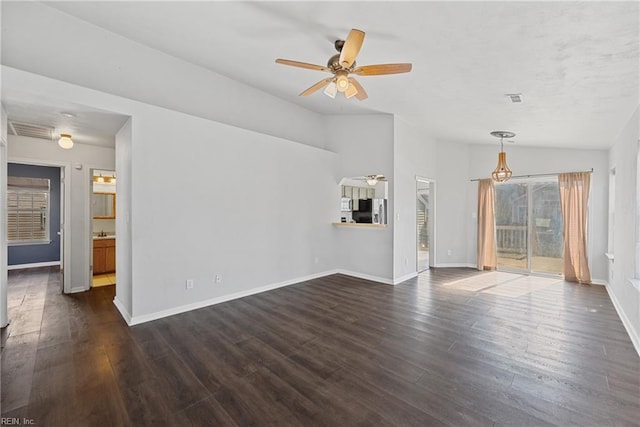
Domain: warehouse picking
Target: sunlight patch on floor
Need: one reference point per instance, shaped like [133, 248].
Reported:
[482, 281]
[503, 284]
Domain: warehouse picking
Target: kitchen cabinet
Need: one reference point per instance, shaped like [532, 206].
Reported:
[104, 256]
[356, 193]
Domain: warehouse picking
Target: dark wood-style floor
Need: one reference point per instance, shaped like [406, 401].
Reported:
[335, 351]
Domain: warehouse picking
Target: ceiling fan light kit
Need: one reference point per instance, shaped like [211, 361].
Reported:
[374, 179]
[343, 64]
[502, 172]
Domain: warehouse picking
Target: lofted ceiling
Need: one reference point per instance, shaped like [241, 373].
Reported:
[576, 63]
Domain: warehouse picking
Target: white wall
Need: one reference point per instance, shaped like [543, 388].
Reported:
[527, 160]
[251, 207]
[364, 145]
[453, 208]
[414, 155]
[624, 156]
[3, 218]
[124, 241]
[78, 183]
[90, 56]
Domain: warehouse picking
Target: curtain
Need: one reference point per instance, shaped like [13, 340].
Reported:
[574, 196]
[487, 258]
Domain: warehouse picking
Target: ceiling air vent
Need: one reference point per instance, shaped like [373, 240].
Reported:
[515, 97]
[31, 130]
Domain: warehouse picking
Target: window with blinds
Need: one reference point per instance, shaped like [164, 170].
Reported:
[27, 210]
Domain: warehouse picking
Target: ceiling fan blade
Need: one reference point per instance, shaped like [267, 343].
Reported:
[302, 65]
[351, 47]
[317, 86]
[362, 94]
[381, 69]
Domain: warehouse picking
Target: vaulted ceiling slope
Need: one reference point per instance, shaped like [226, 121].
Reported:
[576, 63]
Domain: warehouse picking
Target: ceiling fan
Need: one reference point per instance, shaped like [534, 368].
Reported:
[371, 179]
[342, 65]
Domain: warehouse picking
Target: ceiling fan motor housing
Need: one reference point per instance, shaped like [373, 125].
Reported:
[334, 63]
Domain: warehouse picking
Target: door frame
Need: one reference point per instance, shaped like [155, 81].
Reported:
[4, 319]
[432, 218]
[65, 211]
[530, 229]
[88, 180]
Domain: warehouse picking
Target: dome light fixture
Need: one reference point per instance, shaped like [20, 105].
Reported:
[502, 172]
[65, 141]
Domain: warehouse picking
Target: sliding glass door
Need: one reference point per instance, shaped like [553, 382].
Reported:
[529, 226]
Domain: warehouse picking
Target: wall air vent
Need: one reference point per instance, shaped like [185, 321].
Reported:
[515, 97]
[31, 130]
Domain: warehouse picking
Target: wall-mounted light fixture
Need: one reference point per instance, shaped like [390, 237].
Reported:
[100, 179]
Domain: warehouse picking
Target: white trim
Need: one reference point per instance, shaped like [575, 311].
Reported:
[33, 265]
[123, 311]
[456, 264]
[134, 320]
[405, 277]
[635, 283]
[598, 282]
[366, 277]
[628, 325]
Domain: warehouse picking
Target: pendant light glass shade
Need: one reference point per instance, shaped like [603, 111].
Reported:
[65, 141]
[351, 91]
[502, 172]
[331, 90]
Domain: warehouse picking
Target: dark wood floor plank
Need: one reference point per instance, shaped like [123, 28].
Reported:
[331, 351]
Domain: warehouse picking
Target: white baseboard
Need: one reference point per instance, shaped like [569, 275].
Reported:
[454, 264]
[134, 320]
[598, 282]
[366, 277]
[123, 311]
[405, 278]
[633, 334]
[33, 265]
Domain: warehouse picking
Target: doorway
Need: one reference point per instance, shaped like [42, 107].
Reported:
[103, 227]
[529, 226]
[424, 224]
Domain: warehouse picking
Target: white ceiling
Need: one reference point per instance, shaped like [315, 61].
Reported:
[89, 126]
[575, 62]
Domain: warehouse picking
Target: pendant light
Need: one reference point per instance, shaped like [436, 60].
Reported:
[65, 141]
[502, 172]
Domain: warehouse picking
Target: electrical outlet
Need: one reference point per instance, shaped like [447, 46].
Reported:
[316, 260]
[449, 252]
[218, 278]
[406, 261]
[189, 284]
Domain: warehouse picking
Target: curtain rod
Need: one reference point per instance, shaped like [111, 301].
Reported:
[537, 174]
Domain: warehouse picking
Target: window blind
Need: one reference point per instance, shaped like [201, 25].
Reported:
[27, 210]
